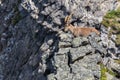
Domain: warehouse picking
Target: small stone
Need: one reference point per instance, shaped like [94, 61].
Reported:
[65, 37]
[64, 44]
[4, 35]
[50, 42]
[57, 21]
[31, 8]
[80, 41]
[63, 75]
[51, 77]
[45, 23]
[113, 37]
[105, 60]
[109, 77]
[114, 65]
[4, 42]
[76, 42]
[1, 47]
[63, 50]
[34, 16]
[40, 19]
[44, 47]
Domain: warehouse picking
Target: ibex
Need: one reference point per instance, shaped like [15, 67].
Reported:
[78, 31]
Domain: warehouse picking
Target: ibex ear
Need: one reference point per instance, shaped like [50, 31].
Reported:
[67, 18]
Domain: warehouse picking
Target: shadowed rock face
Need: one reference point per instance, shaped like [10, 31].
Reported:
[33, 45]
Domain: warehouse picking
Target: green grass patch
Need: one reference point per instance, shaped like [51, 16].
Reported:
[117, 61]
[105, 70]
[113, 14]
[118, 40]
[118, 0]
[112, 19]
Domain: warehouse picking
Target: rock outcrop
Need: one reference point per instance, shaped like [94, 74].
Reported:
[34, 46]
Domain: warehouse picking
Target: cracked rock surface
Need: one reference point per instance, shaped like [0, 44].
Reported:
[34, 46]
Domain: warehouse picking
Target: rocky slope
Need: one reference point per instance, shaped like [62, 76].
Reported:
[33, 45]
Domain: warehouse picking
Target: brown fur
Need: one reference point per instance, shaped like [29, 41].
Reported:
[81, 31]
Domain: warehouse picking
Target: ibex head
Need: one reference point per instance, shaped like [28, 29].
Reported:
[67, 22]
[68, 27]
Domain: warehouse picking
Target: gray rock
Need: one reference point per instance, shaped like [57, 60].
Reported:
[79, 41]
[40, 19]
[63, 75]
[80, 52]
[63, 50]
[44, 47]
[49, 39]
[91, 62]
[47, 10]
[88, 63]
[113, 37]
[57, 21]
[95, 44]
[111, 77]
[9, 15]
[84, 41]
[64, 44]
[50, 42]
[76, 42]
[114, 78]
[104, 38]
[3, 42]
[66, 37]
[39, 49]
[81, 73]
[61, 62]
[51, 77]
[30, 7]
[4, 35]
[113, 65]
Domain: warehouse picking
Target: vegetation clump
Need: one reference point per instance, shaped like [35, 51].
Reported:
[17, 16]
[105, 70]
[112, 19]
[117, 61]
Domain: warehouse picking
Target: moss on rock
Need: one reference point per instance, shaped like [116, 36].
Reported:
[118, 40]
[117, 61]
[105, 70]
